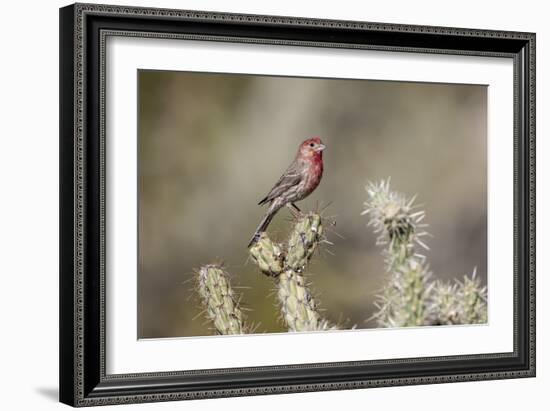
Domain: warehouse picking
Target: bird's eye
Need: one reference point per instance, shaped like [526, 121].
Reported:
[311, 145]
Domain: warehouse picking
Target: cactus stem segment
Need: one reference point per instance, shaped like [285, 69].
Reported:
[222, 305]
[287, 262]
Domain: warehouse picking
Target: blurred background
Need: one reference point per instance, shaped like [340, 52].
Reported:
[212, 145]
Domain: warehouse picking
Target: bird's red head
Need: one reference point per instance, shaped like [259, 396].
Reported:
[311, 148]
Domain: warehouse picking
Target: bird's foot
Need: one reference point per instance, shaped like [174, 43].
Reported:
[295, 211]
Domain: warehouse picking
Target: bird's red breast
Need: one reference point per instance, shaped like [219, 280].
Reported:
[311, 154]
[315, 174]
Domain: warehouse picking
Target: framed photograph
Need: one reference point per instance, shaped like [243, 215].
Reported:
[262, 204]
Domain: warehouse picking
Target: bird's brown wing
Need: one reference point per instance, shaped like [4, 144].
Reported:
[289, 179]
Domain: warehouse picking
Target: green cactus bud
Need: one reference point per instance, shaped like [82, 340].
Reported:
[268, 255]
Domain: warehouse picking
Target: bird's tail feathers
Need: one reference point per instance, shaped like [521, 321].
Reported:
[261, 227]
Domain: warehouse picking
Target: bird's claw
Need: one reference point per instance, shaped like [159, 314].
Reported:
[295, 211]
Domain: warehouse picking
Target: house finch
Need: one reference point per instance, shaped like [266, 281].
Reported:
[297, 182]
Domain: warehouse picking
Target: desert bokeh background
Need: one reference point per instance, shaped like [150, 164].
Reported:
[212, 145]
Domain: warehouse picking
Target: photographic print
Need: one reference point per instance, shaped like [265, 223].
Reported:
[274, 204]
[240, 194]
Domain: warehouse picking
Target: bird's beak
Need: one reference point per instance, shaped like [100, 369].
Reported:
[321, 147]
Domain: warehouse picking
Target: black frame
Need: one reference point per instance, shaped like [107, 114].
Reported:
[83, 30]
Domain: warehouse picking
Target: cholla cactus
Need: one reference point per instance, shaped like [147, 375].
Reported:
[398, 224]
[443, 307]
[464, 302]
[397, 221]
[473, 300]
[222, 306]
[410, 298]
[286, 262]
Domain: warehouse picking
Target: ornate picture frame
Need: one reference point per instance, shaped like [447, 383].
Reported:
[84, 30]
